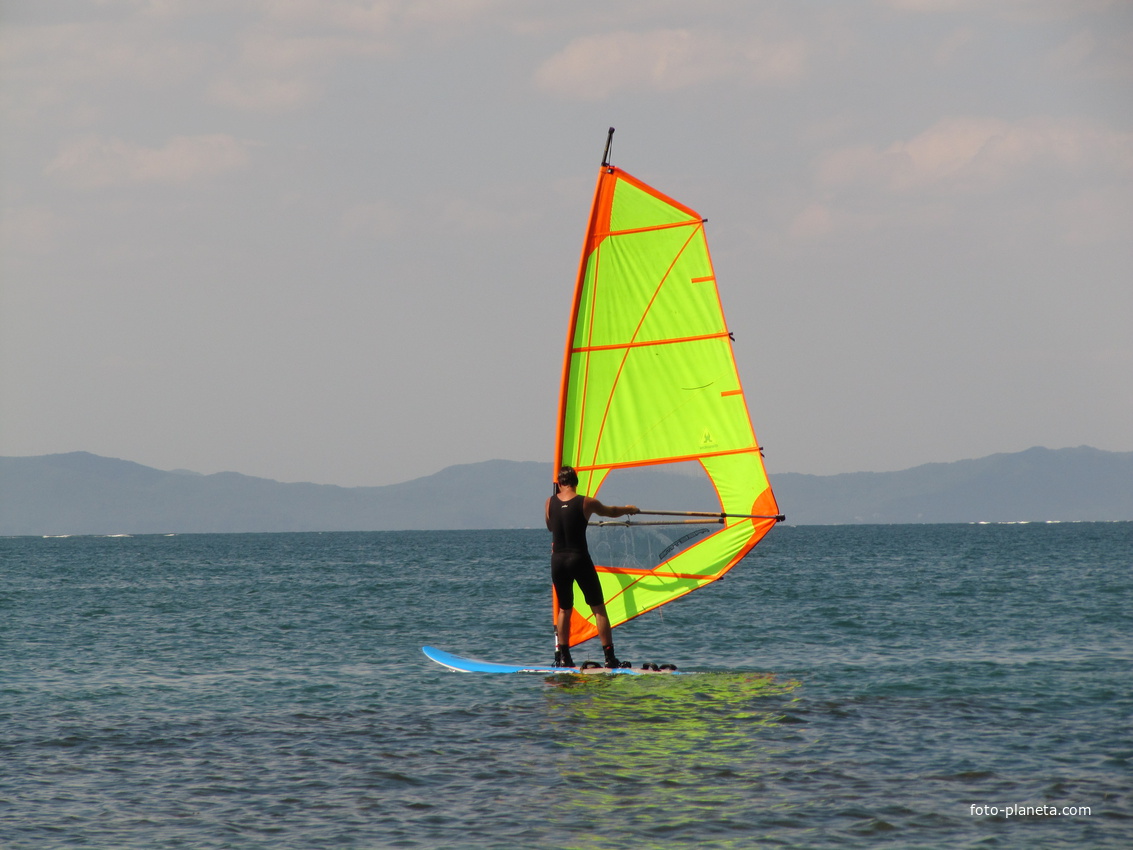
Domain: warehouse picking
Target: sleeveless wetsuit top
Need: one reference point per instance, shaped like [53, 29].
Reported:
[567, 522]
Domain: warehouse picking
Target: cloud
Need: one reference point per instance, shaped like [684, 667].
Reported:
[1096, 55]
[249, 55]
[262, 92]
[386, 18]
[666, 60]
[281, 60]
[62, 71]
[363, 16]
[92, 162]
[460, 215]
[1064, 177]
[1011, 9]
[974, 154]
[373, 220]
[33, 229]
[813, 222]
[451, 215]
[277, 70]
[1097, 215]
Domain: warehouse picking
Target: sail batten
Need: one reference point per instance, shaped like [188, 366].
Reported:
[639, 344]
[650, 380]
[658, 461]
[692, 222]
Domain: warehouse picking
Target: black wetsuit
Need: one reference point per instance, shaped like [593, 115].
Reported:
[570, 557]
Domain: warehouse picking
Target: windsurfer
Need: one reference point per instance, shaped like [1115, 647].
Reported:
[567, 514]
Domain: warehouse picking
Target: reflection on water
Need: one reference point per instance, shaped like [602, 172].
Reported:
[667, 759]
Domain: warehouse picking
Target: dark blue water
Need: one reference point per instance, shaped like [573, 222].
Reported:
[883, 686]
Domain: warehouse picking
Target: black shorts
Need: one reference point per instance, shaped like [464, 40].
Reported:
[570, 567]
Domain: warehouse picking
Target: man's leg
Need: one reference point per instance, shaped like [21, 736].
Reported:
[562, 639]
[602, 621]
[562, 627]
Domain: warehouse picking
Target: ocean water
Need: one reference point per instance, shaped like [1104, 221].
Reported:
[869, 686]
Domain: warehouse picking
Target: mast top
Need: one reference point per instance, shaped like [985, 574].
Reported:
[606, 155]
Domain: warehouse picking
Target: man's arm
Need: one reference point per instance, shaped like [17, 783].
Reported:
[593, 506]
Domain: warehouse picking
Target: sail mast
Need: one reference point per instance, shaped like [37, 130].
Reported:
[609, 141]
[587, 243]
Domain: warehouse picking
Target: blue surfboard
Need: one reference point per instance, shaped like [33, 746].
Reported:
[473, 665]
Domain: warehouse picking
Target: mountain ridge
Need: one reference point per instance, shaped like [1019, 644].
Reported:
[83, 493]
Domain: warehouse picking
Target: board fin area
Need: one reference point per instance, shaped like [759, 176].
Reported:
[473, 665]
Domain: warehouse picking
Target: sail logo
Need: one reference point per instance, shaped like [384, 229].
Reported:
[707, 441]
[679, 543]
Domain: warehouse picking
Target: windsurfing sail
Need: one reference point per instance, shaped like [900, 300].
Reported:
[650, 380]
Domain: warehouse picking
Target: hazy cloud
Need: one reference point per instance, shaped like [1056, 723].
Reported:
[269, 56]
[280, 64]
[93, 162]
[978, 154]
[1095, 55]
[935, 177]
[1097, 215]
[460, 215]
[373, 220]
[34, 228]
[59, 70]
[1011, 9]
[594, 67]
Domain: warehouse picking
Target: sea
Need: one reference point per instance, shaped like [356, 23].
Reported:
[905, 686]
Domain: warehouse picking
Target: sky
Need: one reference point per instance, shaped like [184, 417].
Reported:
[336, 240]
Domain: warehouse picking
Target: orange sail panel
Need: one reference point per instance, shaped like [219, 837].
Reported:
[649, 379]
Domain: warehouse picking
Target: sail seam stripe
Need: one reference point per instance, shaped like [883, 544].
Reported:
[620, 345]
[630, 571]
[660, 460]
[687, 223]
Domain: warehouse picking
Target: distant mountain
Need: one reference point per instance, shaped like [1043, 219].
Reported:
[1080, 484]
[81, 493]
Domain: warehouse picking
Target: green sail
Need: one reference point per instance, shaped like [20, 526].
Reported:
[649, 379]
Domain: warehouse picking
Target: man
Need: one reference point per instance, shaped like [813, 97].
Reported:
[567, 515]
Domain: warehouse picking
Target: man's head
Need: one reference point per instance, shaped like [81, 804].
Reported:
[568, 477]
